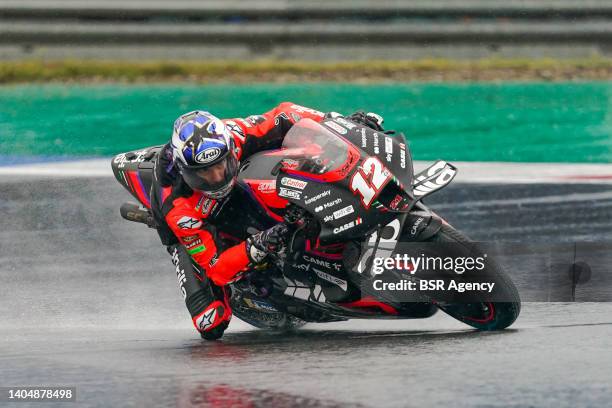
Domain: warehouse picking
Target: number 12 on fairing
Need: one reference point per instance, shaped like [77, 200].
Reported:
[369, 180]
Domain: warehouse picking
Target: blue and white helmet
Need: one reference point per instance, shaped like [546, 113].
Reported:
[200, 141]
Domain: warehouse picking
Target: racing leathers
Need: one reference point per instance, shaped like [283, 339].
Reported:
[206, 260]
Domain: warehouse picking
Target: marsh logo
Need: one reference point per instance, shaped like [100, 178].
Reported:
[208, 155]
[328, 205]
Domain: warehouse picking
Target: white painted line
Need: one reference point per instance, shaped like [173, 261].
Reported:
[469, 172]
[78, 168]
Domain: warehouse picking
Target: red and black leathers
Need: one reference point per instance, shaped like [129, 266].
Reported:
[202, 251]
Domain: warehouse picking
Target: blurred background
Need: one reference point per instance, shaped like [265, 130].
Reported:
[315, 30]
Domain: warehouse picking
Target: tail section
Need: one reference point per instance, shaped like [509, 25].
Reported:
[134, 171]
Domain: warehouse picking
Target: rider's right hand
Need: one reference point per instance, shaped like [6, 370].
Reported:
[273, 239]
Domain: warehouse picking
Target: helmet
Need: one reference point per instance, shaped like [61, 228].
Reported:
[201, 145]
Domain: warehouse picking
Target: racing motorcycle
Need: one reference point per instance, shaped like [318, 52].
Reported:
[349, 194]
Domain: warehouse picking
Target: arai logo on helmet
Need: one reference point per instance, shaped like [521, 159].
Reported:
[208, 155]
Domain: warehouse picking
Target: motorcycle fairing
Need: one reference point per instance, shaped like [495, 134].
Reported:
[392, 150]
[133, 171]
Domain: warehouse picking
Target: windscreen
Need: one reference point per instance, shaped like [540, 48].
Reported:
[314, 148]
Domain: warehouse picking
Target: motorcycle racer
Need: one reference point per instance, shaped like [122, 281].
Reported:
[195, 174]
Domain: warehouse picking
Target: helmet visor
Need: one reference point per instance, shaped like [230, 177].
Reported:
[214, 178]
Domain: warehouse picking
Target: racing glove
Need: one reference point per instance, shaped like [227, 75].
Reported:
[271, 240]
[371, 120]
[163, 170]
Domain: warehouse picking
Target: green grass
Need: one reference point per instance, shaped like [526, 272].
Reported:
[286, 71]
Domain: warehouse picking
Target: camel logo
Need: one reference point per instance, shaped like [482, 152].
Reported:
[208, 155]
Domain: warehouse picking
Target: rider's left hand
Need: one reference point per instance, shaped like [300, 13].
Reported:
[370, 119]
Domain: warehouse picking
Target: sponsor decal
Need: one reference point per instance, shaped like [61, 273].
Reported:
[135, 157]
[291, 182]
[336, 127]
[395, 202]
[280, 116]
[345, 123]
[200, 201]
[328, 218]
[236, 129]
[348, 226]
[328, 205]
[258, 304]
[317, 197]
[290, 164]
[350, 161]
[330, 278]
[180, 272]
[295, 117]
[302, 267]
[376, 147]
[208, 155]
[343, 212]
[207, 319]
[193, 243]
[402, 155]
[256, 119]
[287, 193]
[213, 260]
[208, 206]
[415, 226]
[190, 238]
[388, 148]
[187, 222]
[267, 187]
[196, 250]
[364, 139]
[322, 262]
[303, 109]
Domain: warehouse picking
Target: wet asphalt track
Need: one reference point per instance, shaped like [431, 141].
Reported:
[91, 301]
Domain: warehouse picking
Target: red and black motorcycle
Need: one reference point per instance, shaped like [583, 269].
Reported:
[351, 195]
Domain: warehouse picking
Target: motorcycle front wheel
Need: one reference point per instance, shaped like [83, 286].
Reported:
[482, 315]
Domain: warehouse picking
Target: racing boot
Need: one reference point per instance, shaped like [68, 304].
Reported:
[214, 319]
[208, 304]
